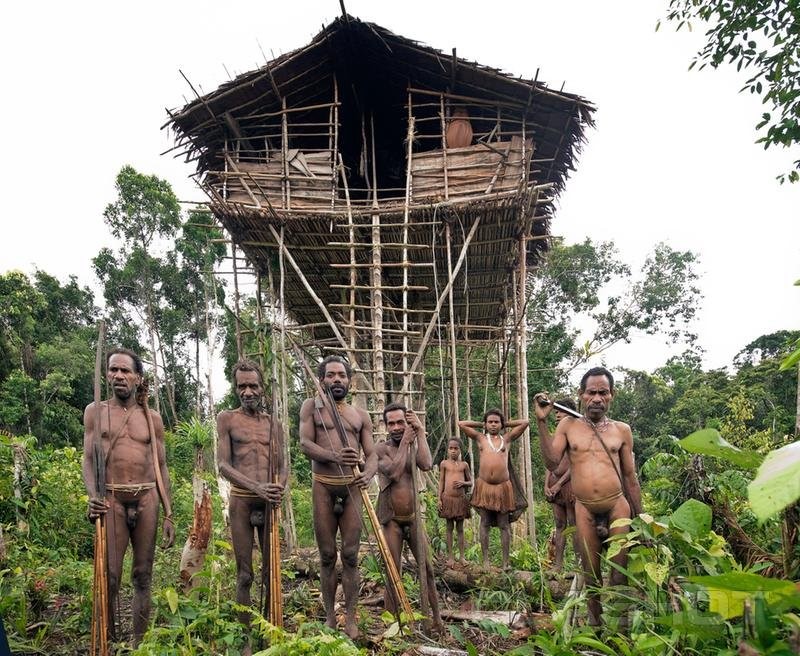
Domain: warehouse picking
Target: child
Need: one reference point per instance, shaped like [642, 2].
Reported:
[454, 479]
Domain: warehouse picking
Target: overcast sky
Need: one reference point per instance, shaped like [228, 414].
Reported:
[672, 157]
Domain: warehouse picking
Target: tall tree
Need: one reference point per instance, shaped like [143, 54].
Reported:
[574, 283]
[763, 38]
[145, 211]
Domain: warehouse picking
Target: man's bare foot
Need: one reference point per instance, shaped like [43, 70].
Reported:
[351, 628]
[449, 562]
[331, 623]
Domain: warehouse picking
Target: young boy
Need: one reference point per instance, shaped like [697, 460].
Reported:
[454, 479]
[493, 496]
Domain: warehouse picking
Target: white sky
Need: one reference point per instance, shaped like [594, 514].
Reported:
[672, 158]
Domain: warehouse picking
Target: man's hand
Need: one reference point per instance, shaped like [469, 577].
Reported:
[413, 421]
[97, 507]
[542, 405]
[459, 484]
[167, 533]
[347, 457]
[272, 492]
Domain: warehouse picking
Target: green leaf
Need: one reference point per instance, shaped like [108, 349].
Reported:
[656, 572]
[727, 592]
[172, 599]
[709, 442]
[790, 362]
[694, 517]
[777, 483]
[594, 643]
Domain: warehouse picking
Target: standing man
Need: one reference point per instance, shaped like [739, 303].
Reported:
[396, 511]
[604, 479]
[247, 439]
[558, 492]
[336, 501]
[493, 495]
[135, 465]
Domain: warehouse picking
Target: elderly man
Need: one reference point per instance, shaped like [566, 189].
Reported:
[335, 496]
[248, 440]
[603, 474]
[134, 464]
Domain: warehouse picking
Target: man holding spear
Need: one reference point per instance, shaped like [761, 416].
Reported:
[250, 455]
[131, 445]
[397, 503]
[334, 439]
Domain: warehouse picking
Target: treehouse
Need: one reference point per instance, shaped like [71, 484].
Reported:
[400, 194]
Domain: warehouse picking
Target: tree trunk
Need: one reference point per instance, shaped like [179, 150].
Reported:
[152, 331]
[194, 550]
[19, 471]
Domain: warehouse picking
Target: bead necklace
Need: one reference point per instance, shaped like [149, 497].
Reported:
[601, 426]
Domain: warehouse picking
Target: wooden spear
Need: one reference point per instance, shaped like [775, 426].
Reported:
[100, 588]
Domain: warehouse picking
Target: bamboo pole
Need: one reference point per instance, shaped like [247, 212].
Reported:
[100, 606]
[376, 293]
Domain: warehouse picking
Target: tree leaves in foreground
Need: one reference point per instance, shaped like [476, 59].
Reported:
[762, 37]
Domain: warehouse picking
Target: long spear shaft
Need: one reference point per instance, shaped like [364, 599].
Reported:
[276, 599]
[100, 599]
[383, 546]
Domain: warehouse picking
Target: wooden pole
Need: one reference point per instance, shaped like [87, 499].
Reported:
[100, 607]
[376, 292]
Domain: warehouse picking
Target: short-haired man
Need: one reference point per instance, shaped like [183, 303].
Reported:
[493, 494]
[335, 496]
[604, 479]
[396, 511]
[132, 455]
[248, 439]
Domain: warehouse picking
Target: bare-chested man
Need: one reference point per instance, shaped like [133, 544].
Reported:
[335, 496]
[558, 492]
[396, 498]
[597, 479]
[132, 497]
[244, 449]
[493, 495]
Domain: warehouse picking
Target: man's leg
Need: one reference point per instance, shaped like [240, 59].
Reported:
[422, 566]
[505, 536]
[560, 521]
[589, 551]
[460, 531]
[117, 536]
[620, 510]
[143, 539]
[350, 529]
[569, 509]
[393, 533]
[325, 525]
[484, 534]
[242, 537]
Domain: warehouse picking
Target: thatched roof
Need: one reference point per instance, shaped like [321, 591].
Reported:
[374, 70]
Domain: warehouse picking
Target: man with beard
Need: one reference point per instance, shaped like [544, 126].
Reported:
[132, 494]
[493, 494]
[603, 475]
[396, 498]
[335, 499]
[244, 450]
